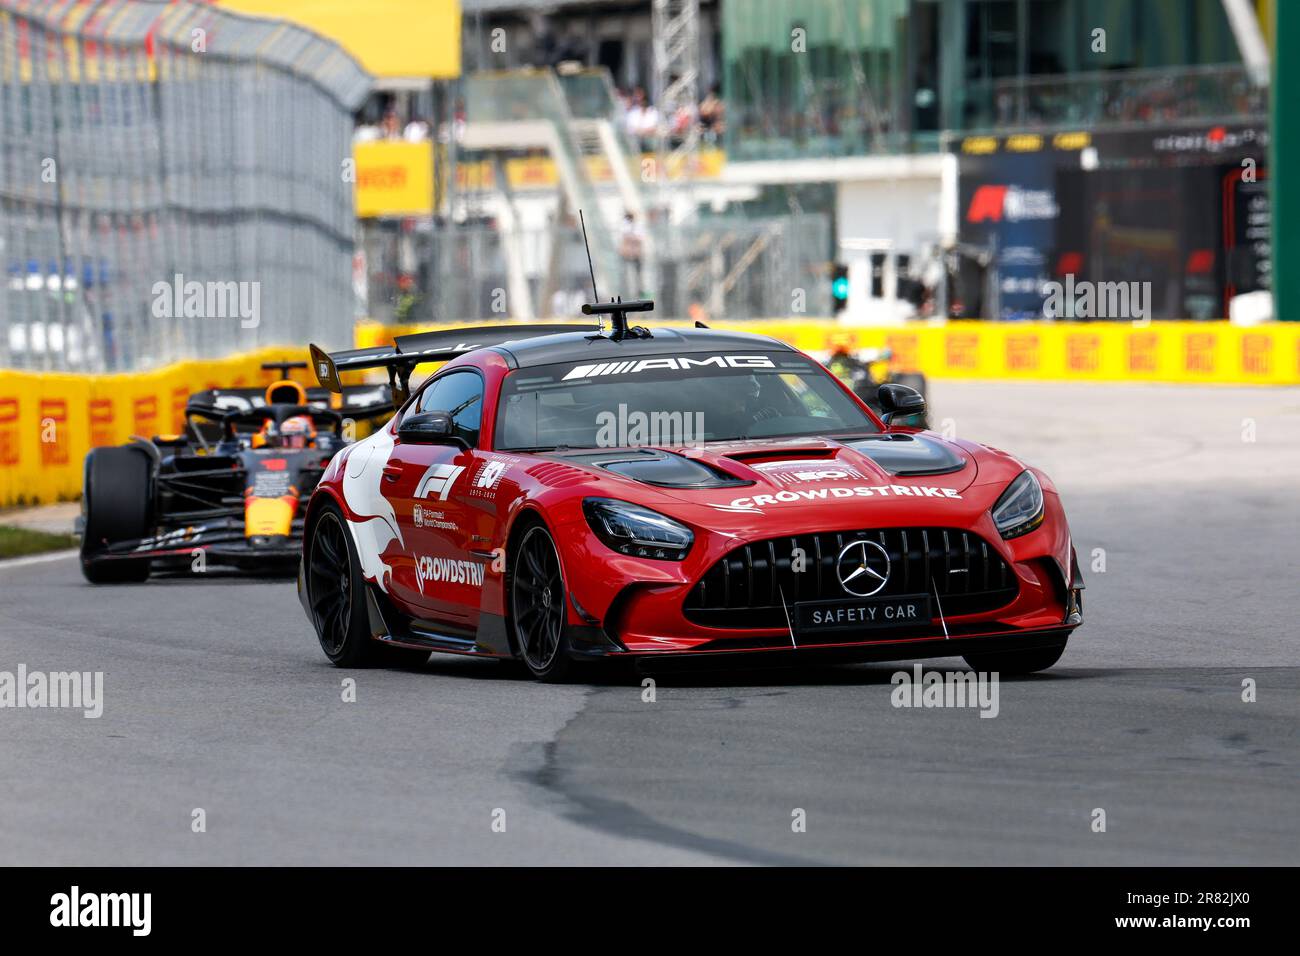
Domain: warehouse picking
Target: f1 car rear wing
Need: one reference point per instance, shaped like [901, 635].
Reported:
[408, 351]
[206, 412]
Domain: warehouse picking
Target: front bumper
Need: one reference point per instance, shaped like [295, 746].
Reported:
[635, 607]
[890, 649]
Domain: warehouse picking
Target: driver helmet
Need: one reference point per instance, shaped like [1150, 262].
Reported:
[297, 432]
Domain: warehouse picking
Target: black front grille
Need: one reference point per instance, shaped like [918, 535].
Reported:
[745, 589]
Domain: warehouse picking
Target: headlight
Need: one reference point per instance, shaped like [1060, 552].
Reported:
[1020, 509]
[640, 532]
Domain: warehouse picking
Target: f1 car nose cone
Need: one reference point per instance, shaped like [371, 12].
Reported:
[863, 568]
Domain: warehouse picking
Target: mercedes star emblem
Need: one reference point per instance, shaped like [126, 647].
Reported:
[863, 568]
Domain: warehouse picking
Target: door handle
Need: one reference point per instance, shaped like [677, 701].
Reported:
[392, 471]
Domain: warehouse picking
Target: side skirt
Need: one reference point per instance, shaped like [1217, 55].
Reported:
[390, 626]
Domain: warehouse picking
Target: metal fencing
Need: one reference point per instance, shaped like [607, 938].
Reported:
[727, 267]
[175, 182]
[719, 267]
[1116, 98]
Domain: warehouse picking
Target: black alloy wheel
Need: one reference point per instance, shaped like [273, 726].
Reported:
[537, 602]
[329, 585]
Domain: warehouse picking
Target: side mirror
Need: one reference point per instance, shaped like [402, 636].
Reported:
[428, 428]
[899, 400]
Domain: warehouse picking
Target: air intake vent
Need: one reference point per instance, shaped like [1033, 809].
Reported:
[555, 475]
[782, 454]
[745, 589]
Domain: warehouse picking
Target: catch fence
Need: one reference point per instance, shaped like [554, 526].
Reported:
[175, 183]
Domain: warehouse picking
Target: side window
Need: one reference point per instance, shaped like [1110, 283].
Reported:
[813, 404]
[460, 394]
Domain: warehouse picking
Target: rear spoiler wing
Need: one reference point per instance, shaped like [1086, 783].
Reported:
[408, 351]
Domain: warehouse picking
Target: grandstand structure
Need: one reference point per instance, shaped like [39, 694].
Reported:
[856, 135]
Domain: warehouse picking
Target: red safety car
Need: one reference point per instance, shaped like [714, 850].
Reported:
[559, 493]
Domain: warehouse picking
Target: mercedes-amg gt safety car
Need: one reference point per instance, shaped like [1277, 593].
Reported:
[521, 504]
[226, 490]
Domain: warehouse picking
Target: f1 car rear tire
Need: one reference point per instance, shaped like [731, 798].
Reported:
[116, 500]
[913, 380]
[538, 605]
[1018, 662]
[336, 591]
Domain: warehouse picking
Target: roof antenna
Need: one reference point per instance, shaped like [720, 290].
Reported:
[616, 308]
[590, 268]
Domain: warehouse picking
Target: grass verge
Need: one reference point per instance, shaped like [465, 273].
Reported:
[19, 542]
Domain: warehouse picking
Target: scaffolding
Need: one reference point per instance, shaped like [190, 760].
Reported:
[676, 61]
[148, 149]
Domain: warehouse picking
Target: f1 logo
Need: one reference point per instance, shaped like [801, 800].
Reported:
[438, 480]
[987, 203]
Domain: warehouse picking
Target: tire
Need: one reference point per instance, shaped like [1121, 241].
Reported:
[914, 380]
[117, 500]
[538, 601]
[337, 595]
[1017, 662]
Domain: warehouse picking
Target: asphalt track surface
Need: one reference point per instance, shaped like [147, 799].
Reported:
[217, 697]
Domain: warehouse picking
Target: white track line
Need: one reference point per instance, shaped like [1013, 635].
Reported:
[37, 559]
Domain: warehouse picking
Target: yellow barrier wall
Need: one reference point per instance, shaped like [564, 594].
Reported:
[48, 421]
[1195, 352]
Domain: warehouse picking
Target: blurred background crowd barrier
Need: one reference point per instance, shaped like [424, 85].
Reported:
[1086, 190]
[146, 147]
[755, 268]
[49, 420]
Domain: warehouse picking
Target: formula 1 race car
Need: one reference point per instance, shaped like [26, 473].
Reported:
[225, 491]
[554, 494]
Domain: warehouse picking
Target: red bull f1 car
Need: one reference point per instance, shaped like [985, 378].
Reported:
[559, 494]
[224, 492]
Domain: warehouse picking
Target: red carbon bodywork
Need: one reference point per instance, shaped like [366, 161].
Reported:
[636, 604]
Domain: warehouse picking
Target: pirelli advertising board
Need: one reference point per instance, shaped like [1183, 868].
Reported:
[49, 421]
[1163, 351]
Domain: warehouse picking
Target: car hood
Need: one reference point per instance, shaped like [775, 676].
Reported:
[917, 476]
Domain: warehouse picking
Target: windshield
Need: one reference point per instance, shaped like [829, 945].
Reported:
[693, 398]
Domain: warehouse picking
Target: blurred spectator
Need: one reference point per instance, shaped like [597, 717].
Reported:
[457, 130]
[682, 121]
[712, 116]
[631, 247]
[391, 127]
[622, 103]
[642, 118]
